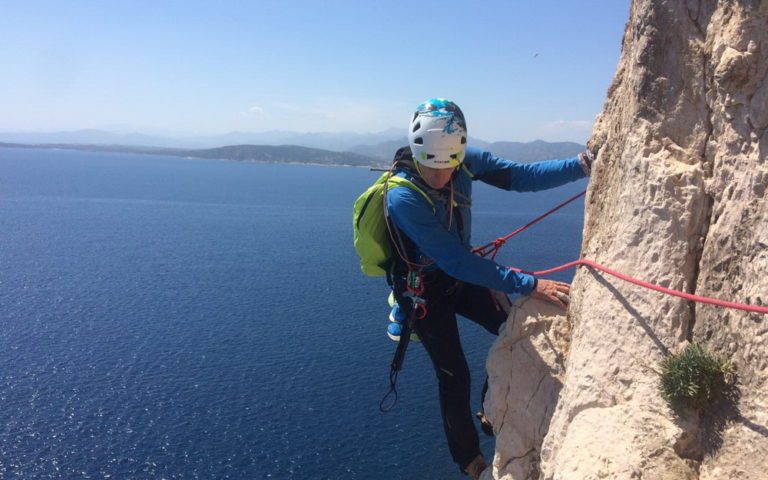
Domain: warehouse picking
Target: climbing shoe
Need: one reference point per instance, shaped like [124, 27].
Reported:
[476, 467]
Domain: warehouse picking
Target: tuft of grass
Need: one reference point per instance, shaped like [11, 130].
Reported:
[695, 379]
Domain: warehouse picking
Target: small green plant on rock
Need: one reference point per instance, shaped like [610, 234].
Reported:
[695, 379]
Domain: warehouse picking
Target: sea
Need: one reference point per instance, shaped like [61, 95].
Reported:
[171, 318]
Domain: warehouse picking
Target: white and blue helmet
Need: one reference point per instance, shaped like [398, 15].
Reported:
[438, 134]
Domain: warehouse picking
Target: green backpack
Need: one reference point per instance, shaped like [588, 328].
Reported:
[369, 224]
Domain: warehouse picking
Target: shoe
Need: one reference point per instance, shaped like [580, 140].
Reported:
[485, 424]
[395, 329]
[476, 467]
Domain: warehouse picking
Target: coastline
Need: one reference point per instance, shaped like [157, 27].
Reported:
[184, 154]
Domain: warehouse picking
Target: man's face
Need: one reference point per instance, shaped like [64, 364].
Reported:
[436, 178]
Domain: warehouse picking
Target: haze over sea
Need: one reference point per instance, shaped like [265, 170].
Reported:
[177, 319]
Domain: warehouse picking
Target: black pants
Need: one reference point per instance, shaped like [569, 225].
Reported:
[439, 334]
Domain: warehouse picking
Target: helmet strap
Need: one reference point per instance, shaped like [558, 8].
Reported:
[418, 170]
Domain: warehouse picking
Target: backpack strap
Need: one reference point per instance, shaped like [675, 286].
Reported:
[395, 181]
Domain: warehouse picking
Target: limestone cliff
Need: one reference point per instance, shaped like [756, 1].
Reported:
[677, 198]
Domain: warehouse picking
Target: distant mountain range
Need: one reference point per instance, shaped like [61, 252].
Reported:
[239, 153]
[374, 149]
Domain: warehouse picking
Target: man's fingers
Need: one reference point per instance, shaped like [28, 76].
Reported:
[557, 293]
[556, 298]
[563, 297]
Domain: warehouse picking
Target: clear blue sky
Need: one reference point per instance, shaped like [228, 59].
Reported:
[520, 70]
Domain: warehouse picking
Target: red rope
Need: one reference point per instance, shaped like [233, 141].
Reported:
[651, 286]
[495, 245]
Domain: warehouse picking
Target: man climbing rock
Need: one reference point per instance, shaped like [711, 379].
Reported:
[430, 231]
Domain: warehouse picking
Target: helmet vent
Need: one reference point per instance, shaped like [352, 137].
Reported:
[418, 141]
[430, 156]
[463, 140]
[417, 126]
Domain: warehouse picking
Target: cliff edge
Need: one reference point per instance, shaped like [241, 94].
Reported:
[677, 198]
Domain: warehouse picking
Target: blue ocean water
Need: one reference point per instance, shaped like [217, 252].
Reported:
[182, 319]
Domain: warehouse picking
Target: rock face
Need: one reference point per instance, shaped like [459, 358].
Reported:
[521, 400]
[677, 198]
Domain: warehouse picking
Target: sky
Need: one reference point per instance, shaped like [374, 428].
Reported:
[520, 70]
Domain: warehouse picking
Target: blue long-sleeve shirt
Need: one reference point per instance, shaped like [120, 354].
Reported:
[446, 241]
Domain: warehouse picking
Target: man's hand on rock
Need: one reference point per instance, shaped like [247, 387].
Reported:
[585, 160]
[552, 292]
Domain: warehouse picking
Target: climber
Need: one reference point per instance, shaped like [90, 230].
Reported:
[433, 245]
